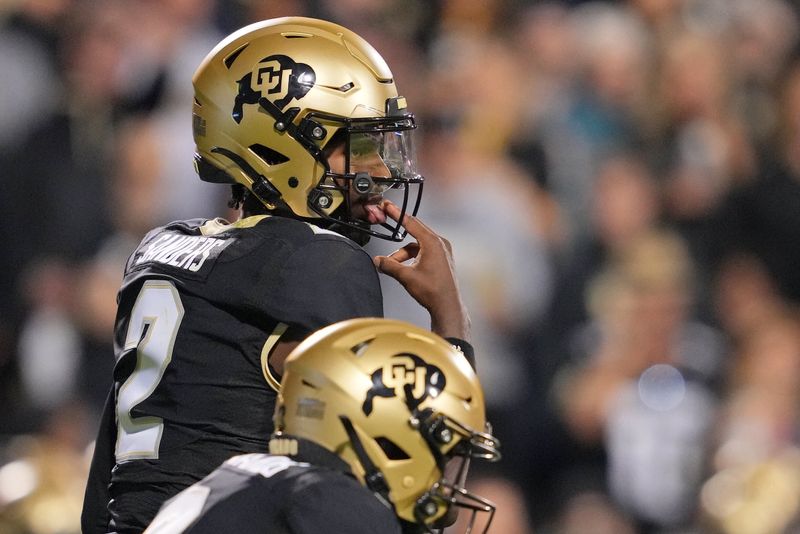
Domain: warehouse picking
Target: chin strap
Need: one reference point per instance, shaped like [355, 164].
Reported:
[373, 477]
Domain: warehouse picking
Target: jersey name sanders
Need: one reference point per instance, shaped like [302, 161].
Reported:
[182, 251]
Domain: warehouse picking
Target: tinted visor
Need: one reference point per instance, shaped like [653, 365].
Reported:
[379, 161]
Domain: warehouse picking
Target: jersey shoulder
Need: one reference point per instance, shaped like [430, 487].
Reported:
[327, 500]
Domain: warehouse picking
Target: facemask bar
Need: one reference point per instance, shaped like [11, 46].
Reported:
[439, 431]
[444, 493]
[400, 172]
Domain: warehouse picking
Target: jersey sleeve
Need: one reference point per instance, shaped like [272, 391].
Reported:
[95, 515]
[326, 281]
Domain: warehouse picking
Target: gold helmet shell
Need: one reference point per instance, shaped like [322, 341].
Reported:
[399, 395]
[270, 97]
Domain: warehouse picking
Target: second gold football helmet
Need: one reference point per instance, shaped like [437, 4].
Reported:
[399, 404]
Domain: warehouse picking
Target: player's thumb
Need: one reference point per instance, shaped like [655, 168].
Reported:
[389, 266]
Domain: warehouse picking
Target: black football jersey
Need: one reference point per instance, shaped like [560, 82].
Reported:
[200, 306]
[260, 493]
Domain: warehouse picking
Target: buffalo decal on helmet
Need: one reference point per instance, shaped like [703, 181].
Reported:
[277, 78]
[409, 374]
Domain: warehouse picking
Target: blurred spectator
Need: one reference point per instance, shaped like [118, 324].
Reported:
[624, 206]
[598, 112]
[163, 44]
[49, 344]
[592, 513]
[746, 297]
[660, 15]
[755, 488]
[702, 148]
[705, 146]
[545, 50]
[31, 92]
[763, 36]
[61, 167]
[644, 389]
[763, 215]
[31, 86]
[484, 114]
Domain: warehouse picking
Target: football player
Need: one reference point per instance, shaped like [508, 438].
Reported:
[376, 422]
[303, 119]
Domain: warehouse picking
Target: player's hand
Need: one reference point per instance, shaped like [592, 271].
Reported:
[426, 269]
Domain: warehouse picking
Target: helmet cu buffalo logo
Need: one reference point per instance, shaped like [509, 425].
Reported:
[407, 374]
[278, 78]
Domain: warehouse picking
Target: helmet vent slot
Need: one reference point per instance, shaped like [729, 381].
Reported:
[233, 55]
[361, 348]
[268, 155]
[391, 449]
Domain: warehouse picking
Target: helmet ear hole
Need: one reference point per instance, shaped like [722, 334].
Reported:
[233, 55]
[268, 155]
[391, 449]
[361, 348]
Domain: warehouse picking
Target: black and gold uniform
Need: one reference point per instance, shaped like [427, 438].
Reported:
[201, 305]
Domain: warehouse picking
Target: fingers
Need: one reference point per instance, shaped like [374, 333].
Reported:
[393, 263]
[392, 210]
[391, 267]
[405, 253]
[414, 226]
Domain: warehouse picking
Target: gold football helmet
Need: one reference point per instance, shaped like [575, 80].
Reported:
[273, 98]
[400, 405]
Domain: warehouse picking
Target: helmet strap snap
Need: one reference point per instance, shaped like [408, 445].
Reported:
[373, 477]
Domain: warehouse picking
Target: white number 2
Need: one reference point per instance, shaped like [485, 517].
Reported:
[154, 322]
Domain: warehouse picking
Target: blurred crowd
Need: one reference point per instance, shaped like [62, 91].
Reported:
[621, 184]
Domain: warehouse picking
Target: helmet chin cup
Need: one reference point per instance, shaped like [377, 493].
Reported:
[426, 508]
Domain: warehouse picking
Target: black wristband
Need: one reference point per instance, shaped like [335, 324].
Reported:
[464, 348]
